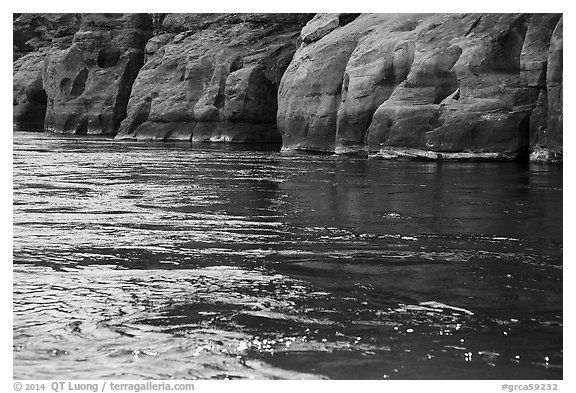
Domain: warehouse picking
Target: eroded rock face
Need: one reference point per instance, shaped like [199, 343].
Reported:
[533, 65]
[33, 32]
[452, 83]
[88, 83]
[29, 97]
[549, 139]
[442, 85]
[212, 77]
[33, 36]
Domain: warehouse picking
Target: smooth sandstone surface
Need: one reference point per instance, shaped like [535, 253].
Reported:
[451, 83]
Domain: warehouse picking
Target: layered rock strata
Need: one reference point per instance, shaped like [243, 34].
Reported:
[212, 77]
[443, 83]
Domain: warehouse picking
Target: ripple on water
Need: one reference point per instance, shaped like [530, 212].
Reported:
[217, 262]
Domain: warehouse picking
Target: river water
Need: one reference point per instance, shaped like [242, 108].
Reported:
[135, 260]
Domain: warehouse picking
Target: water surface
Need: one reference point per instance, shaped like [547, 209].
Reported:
[136, 260]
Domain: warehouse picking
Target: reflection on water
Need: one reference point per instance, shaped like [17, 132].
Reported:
[172, 261]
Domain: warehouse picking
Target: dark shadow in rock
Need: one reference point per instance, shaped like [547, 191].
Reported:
[344, 19]
[108, 57]
[82, 128]
[79, 83]
[65, 85]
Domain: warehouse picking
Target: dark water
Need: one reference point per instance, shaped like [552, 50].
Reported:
[171, 261]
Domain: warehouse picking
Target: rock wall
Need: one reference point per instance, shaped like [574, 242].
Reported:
[89, 82]
[443, 85]
[212, 77]
[547, 125]
[33, 36]
[388, 85]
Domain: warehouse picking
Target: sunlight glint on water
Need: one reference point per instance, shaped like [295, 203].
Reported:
[172, 261]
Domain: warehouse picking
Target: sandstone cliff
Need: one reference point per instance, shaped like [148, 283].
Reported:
[33, 36]
[212, 77]
[387, 85]
[88, 83]
[429, 85]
